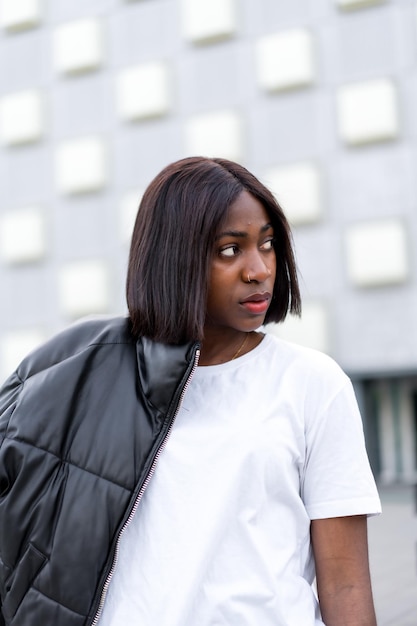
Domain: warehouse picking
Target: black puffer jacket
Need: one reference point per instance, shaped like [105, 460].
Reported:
[81, 422]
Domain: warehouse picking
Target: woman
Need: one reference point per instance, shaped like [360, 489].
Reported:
[180, 467]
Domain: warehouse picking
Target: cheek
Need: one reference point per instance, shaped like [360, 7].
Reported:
[213, 290]
[220, 287]
[219, 279]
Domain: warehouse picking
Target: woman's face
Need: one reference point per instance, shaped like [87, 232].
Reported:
[243, 249]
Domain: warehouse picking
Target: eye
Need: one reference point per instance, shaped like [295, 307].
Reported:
[229, 251]
[268, 244]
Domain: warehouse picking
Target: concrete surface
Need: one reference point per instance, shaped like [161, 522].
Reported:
[393, 557]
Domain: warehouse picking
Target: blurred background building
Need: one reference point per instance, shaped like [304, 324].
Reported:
[317, 97]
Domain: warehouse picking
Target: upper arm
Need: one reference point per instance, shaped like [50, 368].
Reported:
[9, 394]
[340, 547]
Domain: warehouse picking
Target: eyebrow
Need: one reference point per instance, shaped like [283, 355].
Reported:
[241, 233]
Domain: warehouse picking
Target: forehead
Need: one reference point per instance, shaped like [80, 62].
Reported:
[247, 210]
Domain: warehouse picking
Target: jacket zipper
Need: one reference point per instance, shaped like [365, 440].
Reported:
[141, 492]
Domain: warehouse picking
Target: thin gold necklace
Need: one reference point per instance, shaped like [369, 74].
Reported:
[240, 347]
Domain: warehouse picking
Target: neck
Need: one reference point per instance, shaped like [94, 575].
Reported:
[219, 347]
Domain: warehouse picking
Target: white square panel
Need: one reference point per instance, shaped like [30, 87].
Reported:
[78, 46]
[15, 345]
[377, 253]
[22, 235]
[84, 288]
[311, 330]
[20, 14]
[285, 60]
[81, 165]
[297, 188]
[128, 211]
[21, 117]
[143, 91]
[208, 20]
[356, 4]
[217, 134]
[368, 112]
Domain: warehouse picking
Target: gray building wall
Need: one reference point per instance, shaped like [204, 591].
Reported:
[368, 323]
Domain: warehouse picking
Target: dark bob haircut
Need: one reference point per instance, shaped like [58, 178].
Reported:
[180, 214]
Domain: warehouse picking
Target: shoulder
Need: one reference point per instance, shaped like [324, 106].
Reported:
[75, 340]
[304, 361]
[308, 377]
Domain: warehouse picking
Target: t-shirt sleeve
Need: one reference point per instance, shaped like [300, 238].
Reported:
[337, 479]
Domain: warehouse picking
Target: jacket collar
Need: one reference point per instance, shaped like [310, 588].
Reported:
[163, 371]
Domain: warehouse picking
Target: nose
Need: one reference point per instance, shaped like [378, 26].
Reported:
[257, 269]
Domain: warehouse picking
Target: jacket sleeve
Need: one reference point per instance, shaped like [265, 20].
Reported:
[9, 394]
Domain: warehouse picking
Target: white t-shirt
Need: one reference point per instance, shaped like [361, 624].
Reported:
[260, 446]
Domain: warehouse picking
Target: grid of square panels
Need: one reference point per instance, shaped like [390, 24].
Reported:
[20, 14]
[81, 165]
[78, 46]
[84, 287]
[204, 21]
[145, 92]
[377, 252]
[298, 189]
[357, 4]
[285, 60]
[21, 117]
[23, 235]
[368, 112]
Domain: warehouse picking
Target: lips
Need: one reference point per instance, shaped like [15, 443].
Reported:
[257, 303]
